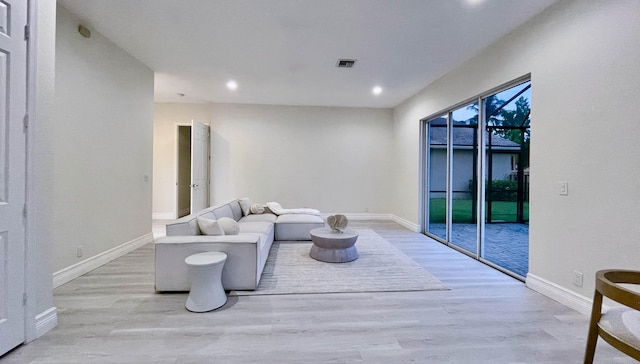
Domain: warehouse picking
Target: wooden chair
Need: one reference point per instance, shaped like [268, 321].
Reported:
[619, 326]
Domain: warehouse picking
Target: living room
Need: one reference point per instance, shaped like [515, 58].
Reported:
[96, 127]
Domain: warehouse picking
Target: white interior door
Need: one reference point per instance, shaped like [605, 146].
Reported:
[199, 166]
[13, 77]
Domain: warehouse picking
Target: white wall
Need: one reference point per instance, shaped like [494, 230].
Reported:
[332, 159]
[583, 58]
[167, 116]
[100, 146]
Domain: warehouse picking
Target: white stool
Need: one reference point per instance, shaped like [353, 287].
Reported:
[205, 270]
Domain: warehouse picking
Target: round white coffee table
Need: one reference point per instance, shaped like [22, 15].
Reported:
[333, 247]
[205, 271]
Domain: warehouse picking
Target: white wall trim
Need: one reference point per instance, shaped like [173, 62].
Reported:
[46, 321]
[370, 216]
[555, 292]
[74, 271]
[34, 107]
[406, 223]
[359, 216]
[163, 216]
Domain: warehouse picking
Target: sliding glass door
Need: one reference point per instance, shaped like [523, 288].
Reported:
[476, 178]
[508, 137]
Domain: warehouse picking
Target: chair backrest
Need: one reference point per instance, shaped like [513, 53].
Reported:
[608, 283]
[609, 326]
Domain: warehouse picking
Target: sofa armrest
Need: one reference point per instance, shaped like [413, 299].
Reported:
[240, 270]
[240, 238]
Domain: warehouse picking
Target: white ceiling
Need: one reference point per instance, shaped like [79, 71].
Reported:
[285, 51]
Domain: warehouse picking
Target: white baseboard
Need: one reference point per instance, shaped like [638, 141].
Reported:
[74, 271]
[359, 216]
[370, 216]
[46, 321]
[163, 216]
[555, 292]
[406, 223]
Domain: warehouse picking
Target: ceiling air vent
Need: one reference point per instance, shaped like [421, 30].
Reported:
[345, 63]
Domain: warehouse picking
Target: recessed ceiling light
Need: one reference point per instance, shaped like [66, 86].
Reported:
[377, 90]
[474, 2]
[232, 85]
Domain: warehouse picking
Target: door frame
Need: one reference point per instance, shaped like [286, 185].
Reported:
[177, 165]
[196, 128]
[29, 287]
[40, 316]
[40, 313]
[423, 183]
[177, 168]
[31, 244]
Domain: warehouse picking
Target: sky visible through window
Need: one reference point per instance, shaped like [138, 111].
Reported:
[464, 113]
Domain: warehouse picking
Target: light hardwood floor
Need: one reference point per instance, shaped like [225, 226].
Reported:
[113, 315]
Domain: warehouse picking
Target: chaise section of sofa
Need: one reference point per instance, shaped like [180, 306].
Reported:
[296, 226]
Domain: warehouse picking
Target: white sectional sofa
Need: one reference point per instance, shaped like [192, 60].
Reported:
[246, 252]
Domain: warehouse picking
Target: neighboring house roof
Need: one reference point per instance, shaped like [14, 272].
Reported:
[462, 136]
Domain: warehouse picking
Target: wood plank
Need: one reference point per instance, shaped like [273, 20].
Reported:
[112, 315]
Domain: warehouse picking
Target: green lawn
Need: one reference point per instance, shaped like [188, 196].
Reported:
[501, 210]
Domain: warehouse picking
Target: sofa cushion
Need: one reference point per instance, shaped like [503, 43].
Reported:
[223, 211]
[208, 215]
[185, 226]
[296, 226]
[258, 227]
[235, 208]
[245, 205]
[209, 226]
[261, 217]
[229, 226]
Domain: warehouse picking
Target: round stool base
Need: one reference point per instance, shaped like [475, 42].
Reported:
[205, 271]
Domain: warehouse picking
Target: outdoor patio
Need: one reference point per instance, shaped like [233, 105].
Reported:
[505, 244]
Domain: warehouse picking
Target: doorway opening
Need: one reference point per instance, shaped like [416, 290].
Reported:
[183, 180]
[192, 168]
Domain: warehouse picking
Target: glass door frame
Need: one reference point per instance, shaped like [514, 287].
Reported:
[424, 157]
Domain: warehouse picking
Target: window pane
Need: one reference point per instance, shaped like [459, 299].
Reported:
[464, 227]
[437, 175]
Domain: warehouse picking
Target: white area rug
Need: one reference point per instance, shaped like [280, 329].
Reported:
[381, 267]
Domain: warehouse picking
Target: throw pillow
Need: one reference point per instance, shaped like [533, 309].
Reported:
[229, 226]
[245, 205]
[257, 209]
[209, 226]
[275, 208]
